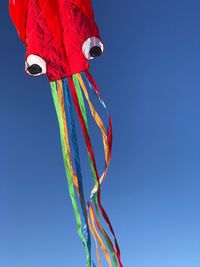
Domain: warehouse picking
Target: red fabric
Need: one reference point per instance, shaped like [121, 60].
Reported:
[18, 12]
[50, 12]
[86, 7]
[56, 31]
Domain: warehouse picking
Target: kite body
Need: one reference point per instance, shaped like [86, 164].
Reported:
[60, 37]
[60, 33]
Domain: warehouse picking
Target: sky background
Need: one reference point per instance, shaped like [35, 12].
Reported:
[150, 79]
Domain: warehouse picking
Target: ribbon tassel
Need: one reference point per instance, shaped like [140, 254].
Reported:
[69, 94]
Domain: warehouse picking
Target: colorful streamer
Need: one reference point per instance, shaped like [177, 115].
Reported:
[64, 91]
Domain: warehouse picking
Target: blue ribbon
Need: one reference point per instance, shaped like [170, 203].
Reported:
[72, 129]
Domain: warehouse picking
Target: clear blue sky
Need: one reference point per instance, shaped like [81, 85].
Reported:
[150, 78]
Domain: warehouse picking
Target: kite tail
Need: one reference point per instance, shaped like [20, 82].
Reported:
[74, 87]
[58, 97]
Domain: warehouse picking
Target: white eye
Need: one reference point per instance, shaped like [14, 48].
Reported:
[35, 65]
[92, 48]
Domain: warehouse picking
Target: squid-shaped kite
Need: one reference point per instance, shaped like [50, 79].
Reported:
[60, 37]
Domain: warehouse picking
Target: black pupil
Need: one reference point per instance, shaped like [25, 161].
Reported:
[34, 69]
[95, 51]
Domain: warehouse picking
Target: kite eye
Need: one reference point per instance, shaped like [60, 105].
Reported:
[92, 48]
[35, 65]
